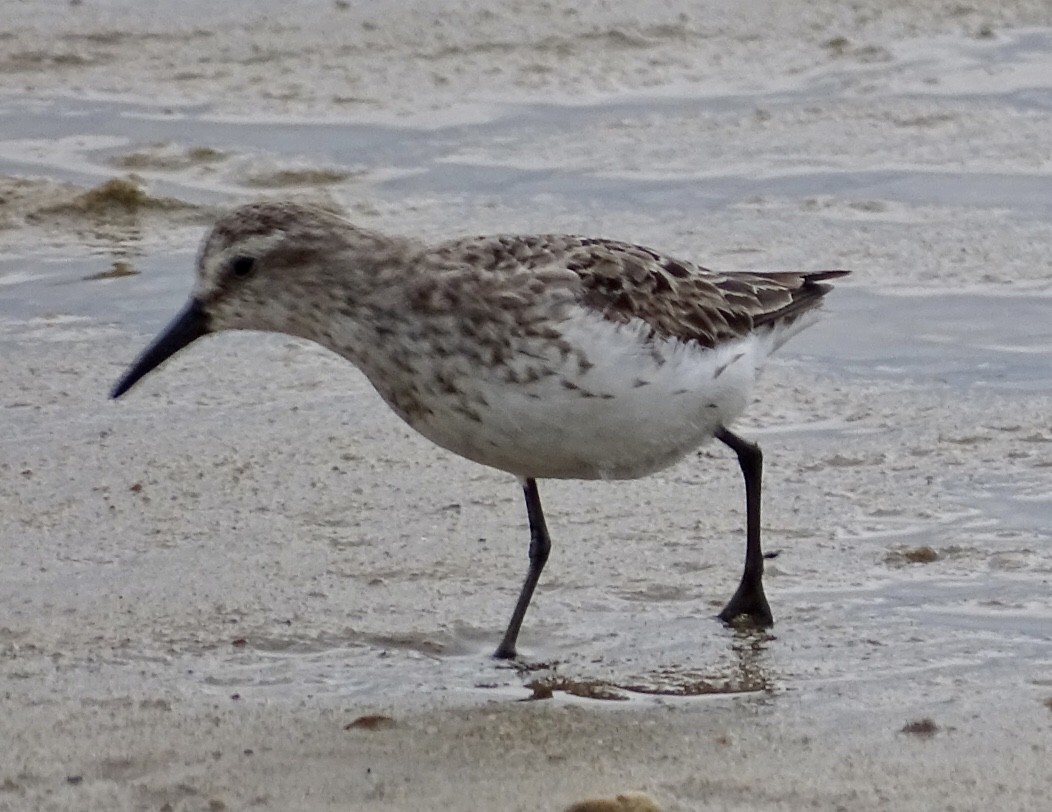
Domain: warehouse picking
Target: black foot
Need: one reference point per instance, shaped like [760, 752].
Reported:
[749, 605]
[504, 653]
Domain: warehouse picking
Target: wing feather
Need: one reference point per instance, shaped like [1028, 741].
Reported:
[625, 283]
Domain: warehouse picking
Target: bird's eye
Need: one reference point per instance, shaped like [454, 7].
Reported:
[242, 266]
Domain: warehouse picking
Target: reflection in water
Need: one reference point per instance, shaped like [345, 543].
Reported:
[749, 673]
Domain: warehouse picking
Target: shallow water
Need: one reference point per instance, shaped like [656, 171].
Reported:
[972, 618]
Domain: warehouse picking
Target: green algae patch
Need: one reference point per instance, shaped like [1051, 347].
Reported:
[162, 157]
[122, 195]
[115, 210]
[284, 178]
[903, 556]
[119, 270]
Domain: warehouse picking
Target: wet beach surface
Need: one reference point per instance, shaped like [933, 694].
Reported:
[253, 539]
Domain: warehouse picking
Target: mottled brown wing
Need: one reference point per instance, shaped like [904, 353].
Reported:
[678, 299]
[625, 282]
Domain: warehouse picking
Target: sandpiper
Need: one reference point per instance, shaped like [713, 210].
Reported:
[546, 356]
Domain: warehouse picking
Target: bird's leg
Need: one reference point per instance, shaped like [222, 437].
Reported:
[540, 546]
[749, 601]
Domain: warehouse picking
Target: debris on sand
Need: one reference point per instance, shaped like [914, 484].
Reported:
[625, 802]
[925, 728]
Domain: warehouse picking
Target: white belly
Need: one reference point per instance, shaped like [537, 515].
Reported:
[638, 406]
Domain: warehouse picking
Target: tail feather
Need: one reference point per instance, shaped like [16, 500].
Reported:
[805, 293]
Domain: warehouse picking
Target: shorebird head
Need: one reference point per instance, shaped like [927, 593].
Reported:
[257, 270]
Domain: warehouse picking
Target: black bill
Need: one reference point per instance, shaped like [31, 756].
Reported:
[187, 327]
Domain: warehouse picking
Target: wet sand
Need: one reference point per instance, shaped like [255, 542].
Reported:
[204, 586]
